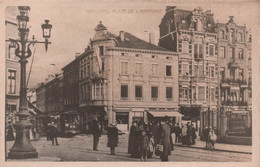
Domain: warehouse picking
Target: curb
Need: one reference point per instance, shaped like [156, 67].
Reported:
[202, 148]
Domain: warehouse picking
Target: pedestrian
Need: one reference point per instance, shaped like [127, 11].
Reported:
[112, 136]
[155, 131]
[193, 134]
[10, 132]
[212, 139]
[53, 133]
[177, 131]
[206, 136]
[184, 134]
[135, 151]
[172, 130]
[189, 134]
[143, 145]
[165, 140]
[96, 134]
[131, 136]
[48, 127]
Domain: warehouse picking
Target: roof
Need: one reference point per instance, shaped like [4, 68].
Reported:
[134, 42]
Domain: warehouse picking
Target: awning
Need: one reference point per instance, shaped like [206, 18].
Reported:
[165, 113]
[36, 109]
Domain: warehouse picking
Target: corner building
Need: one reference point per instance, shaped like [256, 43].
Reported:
[192, 35]
[123, 78]
[235, 82]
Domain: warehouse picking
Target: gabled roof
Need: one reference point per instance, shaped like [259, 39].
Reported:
[134, 42]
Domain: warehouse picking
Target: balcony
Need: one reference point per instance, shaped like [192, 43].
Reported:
[234, 63]
[228, 81]
[97, 76]
[234, 103]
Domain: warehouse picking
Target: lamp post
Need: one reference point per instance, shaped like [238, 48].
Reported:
[22, 147]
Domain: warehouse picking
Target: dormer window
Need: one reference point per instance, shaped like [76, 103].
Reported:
[101, 50]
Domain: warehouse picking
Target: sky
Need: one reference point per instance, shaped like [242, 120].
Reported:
[74, 23]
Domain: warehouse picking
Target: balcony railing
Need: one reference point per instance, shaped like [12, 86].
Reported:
[234, 103]
[237, 81]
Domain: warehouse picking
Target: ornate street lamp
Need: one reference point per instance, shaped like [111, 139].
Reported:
[22, 147]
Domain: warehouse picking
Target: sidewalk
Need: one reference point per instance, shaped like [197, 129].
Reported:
[222, 147]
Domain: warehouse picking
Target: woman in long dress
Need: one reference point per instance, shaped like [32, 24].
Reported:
[131, 137]
[112, 135]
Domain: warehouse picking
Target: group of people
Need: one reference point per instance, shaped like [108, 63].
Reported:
[144, 139]
[185, 134]
[51, 133]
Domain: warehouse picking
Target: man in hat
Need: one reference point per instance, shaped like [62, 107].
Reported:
[96, 134]
[206, 136]
[165, 139]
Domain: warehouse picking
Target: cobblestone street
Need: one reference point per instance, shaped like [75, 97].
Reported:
[79, 148]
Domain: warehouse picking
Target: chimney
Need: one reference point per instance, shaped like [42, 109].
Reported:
[87, 49]
[77, 55]
[122, 35]
[151, 38]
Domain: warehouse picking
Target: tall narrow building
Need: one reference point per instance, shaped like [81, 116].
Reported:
[193, 35]
[235, 79]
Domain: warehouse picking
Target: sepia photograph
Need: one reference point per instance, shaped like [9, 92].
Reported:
[130, 81]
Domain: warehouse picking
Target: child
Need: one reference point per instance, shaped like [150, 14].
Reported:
[144, 146]
[212, 139]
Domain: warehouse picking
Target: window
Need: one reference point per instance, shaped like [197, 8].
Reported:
[154, 69]
[185, 69]
[240, 36]
[183, 21]
[201, 93]
[124, 91]
[198, 50]
[233, 52]
[212, 71]
[168, 93]
[200, 70]
[124, 67]
[232, 74]
[11, 53]
[211, 50]
[196, 69]
[209, 25]
[241, 54]
[222, 72]
[212, 94]
[138, 92]
[11, 83]
[101, 50]
[138, 68]
[241, 74]
[185, 93]
[222, 34]
[232, 34]
[88, 68]
[185, 47]
[222, 52]
[103, 66]
[168, 70]
[154, 92]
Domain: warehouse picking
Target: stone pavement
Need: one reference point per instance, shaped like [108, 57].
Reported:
[222, 147]
[79, 148]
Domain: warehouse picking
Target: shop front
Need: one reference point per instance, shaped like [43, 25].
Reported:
[91, 113]
[70, 122]
[174, 116]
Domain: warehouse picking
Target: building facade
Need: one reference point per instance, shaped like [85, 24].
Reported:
[235, 71]
[192, 34]
[12, 84]
[70, 117]
[123, 78]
